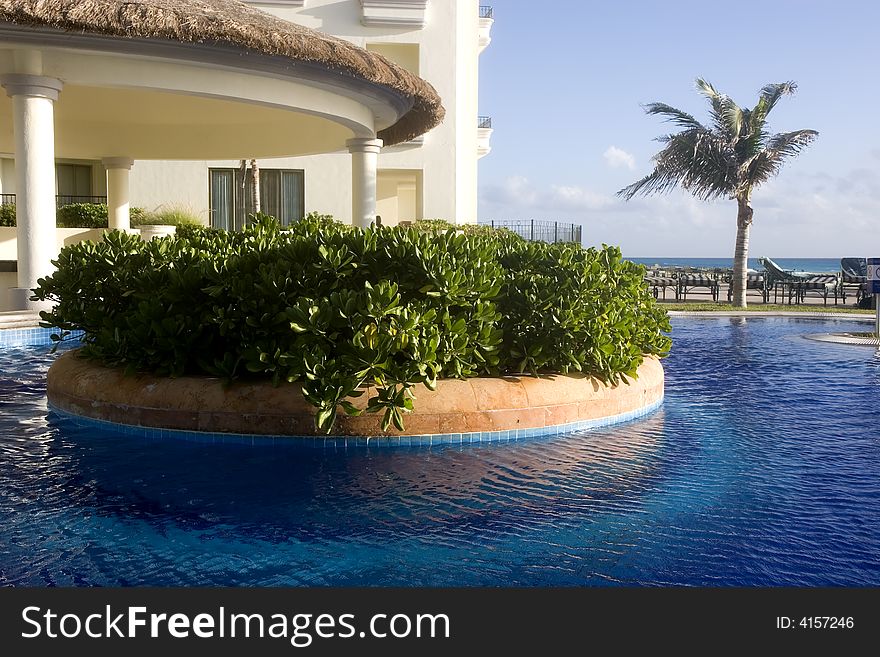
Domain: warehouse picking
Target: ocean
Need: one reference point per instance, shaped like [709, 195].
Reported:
[814, 265]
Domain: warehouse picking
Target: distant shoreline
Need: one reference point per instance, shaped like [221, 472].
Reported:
[816, 265]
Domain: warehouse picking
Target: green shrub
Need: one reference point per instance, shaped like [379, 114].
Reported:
[337, 308]
[136, 216]
[171, 216]
[434, 225]
[81, 215]
[441, 225]
[76, 215]
[7, 214]
[323, 219]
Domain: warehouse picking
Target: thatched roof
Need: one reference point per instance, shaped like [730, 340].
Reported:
[234, 24]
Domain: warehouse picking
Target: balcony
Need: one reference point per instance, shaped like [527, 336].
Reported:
[486, 21]
[60, 199]
[394, 13]
[484, 135]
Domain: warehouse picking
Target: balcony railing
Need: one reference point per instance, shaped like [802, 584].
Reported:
[484, 122]
[541, 231]
[485, 11]
[63, 199]
[60, 200]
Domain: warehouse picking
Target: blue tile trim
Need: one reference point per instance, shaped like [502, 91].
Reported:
[31, 336]
[345, 442]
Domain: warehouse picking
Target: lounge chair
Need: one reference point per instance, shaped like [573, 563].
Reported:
[689, 282]
[754, 281]
[824, 285]
[854, 276]
[797, 284]
[779, 279]
[657, 283]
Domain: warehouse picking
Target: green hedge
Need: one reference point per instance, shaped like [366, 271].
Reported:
[337, 308]
[164, 217]
[74, 215]
[81, 215]
[7, 214]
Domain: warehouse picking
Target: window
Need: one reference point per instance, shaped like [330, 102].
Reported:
[73, 180]
[222, 199]
[282, 195]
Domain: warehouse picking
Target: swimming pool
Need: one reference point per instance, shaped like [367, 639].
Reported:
[761, 468]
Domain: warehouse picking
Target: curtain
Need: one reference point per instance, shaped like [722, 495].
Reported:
[222, 198]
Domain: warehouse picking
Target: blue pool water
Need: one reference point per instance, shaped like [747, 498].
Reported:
[761, 468]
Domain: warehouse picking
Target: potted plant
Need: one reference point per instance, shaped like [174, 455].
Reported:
[162, 222]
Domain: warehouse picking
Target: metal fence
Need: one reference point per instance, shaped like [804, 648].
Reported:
[63, 199]
[541, 231]
[486, 11]
[60, 199]
[484, 121]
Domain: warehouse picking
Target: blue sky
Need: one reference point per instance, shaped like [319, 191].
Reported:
[564, 82]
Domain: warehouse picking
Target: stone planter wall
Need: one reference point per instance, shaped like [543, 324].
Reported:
[485, 407]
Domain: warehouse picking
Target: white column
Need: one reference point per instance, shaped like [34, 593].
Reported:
[364, 163]
[118, 194]
[33, 112]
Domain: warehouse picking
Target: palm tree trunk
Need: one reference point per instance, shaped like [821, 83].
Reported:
[741, 253]
[241, 207]
[255, 189]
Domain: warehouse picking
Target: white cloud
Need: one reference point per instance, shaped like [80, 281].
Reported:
[578, 198]
[617, 157]
[518, 192]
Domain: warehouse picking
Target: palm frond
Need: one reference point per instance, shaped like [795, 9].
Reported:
[693, 159]
[731, 156]
[789, 144]
[707, 89]
[716, 101]
[769, 161]
[673, 115]
[733, 118]
[771, 93]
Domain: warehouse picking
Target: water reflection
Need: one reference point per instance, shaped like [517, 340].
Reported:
[276, 492]
[762, 468]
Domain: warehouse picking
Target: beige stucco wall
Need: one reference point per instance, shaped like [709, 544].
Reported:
[9, 251]
[7, 175]
[63, 237]
[150, 181]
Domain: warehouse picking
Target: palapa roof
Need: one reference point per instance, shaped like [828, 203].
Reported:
[236, 25]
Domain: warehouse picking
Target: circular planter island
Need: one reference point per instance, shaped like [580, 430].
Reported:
[458, 411]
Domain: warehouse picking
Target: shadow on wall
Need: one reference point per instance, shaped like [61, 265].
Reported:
[68, 236]
[7, 280]
[8, 248]
[9, 253]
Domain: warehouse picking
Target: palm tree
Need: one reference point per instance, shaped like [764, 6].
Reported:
[729, 159]
[255, 188]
